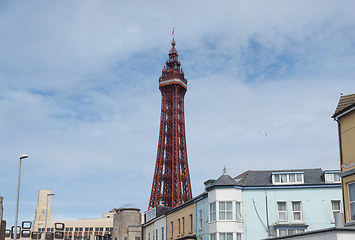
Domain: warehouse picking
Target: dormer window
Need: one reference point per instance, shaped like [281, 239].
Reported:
[288, 178]
[332, 177]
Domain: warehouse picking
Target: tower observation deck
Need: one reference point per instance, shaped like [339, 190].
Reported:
[171, 183]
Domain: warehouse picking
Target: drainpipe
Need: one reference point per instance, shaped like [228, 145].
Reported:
[341, 164]
[267, 214]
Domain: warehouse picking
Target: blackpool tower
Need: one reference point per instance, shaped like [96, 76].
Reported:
[171, 184]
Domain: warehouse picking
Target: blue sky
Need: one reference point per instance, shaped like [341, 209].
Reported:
[79, 93]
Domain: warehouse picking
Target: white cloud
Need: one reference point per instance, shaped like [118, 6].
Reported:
[79, 93]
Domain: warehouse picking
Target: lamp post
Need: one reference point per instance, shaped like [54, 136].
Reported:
[18, 194]
[45, 223]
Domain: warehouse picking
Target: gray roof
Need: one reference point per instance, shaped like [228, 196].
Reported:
[263, 178]
[224, 180]
[346, 102]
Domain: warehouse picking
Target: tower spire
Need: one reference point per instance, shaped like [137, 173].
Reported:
[171, 183]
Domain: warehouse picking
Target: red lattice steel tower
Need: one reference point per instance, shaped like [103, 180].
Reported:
[171, 184]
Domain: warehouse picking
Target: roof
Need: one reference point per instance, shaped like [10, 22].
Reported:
[223, 180]
[345, 103]
[263, 178]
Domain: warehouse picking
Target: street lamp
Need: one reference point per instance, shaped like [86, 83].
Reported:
[45, 223]
[18, 194]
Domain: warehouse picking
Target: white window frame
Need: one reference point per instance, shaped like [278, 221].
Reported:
[238, 211]
[294, 211]
[281, 211]
[332, 178]
[239, 236]
[334, 211]
[213, 236]
[226, 236]
[287, 178]
[225, 211]
[213, 212]
[297, 230]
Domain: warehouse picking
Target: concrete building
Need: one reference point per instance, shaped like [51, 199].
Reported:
[93, 228]
[127, 223]
[345, 117]
[2, 223]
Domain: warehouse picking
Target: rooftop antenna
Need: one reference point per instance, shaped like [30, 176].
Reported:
[172, 33]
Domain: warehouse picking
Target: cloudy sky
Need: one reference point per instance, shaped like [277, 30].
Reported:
[79, 93]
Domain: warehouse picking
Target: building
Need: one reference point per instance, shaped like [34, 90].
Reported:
[127, 223]
[154, 227]
[171, 183]
[225, 220]
[2, 223]
[81, 229]
[345, 117]
[254, 205]
[180, 222]
[335, 233]
[286, 202]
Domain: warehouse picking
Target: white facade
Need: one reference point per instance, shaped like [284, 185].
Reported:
[156, 229]
[224, 222]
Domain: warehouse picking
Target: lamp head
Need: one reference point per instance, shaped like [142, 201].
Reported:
[23, 156]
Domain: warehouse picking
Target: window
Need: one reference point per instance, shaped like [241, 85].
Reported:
[162, 233]
[352, 201]
[172, 229]
[296, 211]
[191, 223]
[226, 236]
[183, 225]
[153, 235]
[287, 178]
[200, 218]
[289, 231]
[238, 209]
[213, 236]
[281, 211]
[178, 225]
[239, 236]
[148, 236]
[332, 177]
[225, 211]
[156, 233]
[335, 208]
[212, 212]
[137, 238]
